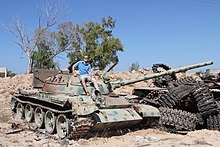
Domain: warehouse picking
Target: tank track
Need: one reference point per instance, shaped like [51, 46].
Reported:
[167, 101]
[184, 81]
[161, 99]
[180, 90]
[191, 95]
[179, 94]
[205, 101]
[213, 122]
[177, 119]
[155, 67]
[164, 80]
[80, 127]
[153, 98]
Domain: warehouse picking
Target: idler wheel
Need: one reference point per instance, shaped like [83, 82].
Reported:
[62, 125]
[39, 117]
[20, 111]
[13, 104]
[29, 113]
[50, 122]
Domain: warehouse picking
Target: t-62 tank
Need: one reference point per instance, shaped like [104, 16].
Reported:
[59, 104]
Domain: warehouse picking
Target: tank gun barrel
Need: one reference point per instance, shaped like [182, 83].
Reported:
[120, 83]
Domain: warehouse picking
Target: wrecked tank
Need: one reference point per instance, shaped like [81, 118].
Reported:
[211, 77]
[58, 104]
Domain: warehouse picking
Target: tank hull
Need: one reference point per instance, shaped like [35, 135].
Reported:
[80, 114]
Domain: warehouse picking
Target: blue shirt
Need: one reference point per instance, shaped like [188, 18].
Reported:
[84, 68]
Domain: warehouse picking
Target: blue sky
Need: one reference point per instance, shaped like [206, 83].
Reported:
[173, 32]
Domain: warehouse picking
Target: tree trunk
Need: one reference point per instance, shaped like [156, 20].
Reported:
[29, 69]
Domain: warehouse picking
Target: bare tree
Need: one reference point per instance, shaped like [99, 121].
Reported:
[48, 17]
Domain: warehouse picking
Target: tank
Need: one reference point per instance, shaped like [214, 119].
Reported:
[58, 104]
[210, 74]
[211, 78]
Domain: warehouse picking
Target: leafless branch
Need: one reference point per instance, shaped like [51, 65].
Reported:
[53, 12]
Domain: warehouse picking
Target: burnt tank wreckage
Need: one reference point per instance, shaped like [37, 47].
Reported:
[59, 104]
[186, 103]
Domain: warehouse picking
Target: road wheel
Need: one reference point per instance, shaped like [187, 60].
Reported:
[39, 117]
[19, 111]
[62, 125]
[29, 113]
[50, 122]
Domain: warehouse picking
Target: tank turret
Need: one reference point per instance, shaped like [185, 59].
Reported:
[62, 82]
[66, 83]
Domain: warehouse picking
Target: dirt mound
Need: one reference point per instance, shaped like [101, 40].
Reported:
[130, 75]
[8, 85]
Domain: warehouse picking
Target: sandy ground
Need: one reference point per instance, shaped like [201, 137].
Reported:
[147, 137]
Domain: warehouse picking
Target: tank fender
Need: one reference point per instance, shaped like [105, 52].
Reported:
[147, 110]
[114, 118]
[112, 115]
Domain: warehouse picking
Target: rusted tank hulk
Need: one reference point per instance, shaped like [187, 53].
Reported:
[61, 105]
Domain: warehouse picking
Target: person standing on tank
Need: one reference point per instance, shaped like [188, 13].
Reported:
[85, 74]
